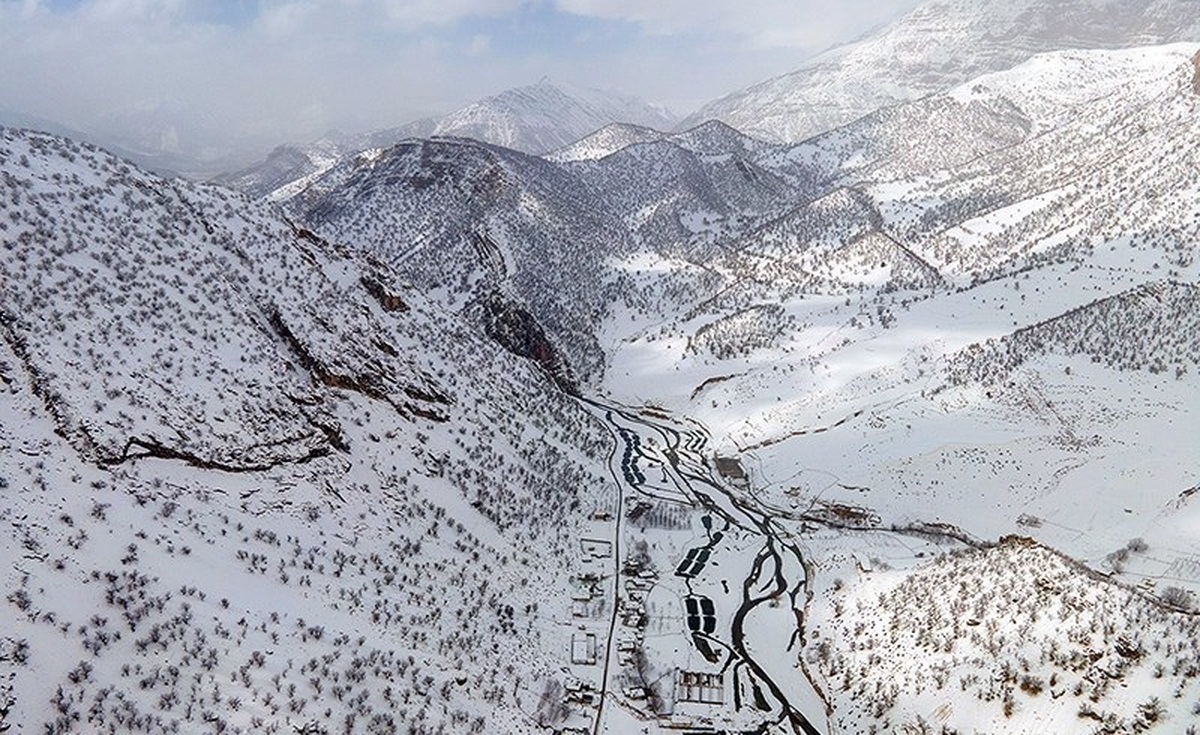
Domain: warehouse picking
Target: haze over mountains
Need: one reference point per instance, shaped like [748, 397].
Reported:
[167, 136]
[645, 428]
[534, 119]
[934, 46]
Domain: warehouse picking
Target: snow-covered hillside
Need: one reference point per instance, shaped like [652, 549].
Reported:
[672, 197]
[1000, 174]
[708, 138]
[253, 483]
[605, 141]
[938, 45]
[485, 230]
[1007, 639]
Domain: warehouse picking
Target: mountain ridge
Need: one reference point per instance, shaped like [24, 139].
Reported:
[939, 44]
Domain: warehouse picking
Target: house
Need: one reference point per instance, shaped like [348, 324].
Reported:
[583, 649]
[731, 469]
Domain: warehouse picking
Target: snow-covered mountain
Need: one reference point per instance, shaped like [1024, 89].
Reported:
[708, 138]
[286, 169]
[991, 175]
[499, 234]
[679, 192]
[605, 141]
[533, 119]
[938, 45]
[253, 483]
[546, 116]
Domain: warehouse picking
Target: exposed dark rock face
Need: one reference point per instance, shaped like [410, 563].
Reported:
[370, 382]
[517, 331]
[137, 448]
[388, 300]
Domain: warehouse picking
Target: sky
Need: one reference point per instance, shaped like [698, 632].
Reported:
[265, 71]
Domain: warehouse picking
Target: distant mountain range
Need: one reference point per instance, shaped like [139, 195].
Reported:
[936, 46]
[533, 119]
[167, 136]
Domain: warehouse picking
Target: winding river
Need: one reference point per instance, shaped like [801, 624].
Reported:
[778, 574]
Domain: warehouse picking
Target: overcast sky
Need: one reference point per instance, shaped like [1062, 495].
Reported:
[291, 69]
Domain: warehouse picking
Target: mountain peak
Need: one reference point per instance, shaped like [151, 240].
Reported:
[545, 116]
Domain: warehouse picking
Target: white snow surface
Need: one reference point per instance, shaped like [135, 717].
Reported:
[267, 469]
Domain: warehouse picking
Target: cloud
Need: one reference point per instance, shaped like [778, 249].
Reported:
[212, 73]
[479, 45]
[766, 23]
[415, 13]
[125, 10]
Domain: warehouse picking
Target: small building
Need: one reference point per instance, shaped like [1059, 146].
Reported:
[595, 548]
[731, 469]
[697, 686]
[583, 649]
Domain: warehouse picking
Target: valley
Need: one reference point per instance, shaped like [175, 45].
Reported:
[765, 568]
[884, 423]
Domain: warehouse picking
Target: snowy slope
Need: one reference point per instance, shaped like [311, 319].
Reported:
[946, 354]
[999, 174]
[669, 194]
[938, 45]
[959, 643]
[251, 483]
[1027, 202]
[488, 230]
[1152, 327]
[978, 321]
[605, 141]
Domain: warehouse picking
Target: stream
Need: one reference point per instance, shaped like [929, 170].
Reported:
[776, 577]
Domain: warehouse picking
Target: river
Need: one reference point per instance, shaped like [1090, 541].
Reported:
[743, 637]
